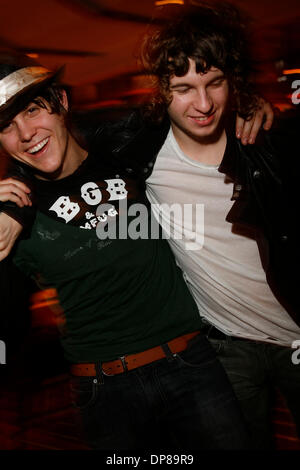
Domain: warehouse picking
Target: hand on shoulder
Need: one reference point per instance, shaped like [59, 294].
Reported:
[247, 130]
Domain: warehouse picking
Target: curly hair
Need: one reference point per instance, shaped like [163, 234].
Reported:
[212, 35]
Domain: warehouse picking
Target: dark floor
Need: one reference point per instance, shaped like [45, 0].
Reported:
[35, 408]
[40, 417]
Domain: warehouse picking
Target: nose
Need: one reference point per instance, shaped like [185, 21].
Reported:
[203, 102]
[25, 130]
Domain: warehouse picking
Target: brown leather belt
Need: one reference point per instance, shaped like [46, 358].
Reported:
[132, 361]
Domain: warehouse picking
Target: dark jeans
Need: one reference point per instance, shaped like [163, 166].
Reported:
[255, 369]
[183, 402]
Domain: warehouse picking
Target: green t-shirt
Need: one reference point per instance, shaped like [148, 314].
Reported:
[119, 296]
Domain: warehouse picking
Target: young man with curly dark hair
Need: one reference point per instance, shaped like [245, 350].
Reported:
[240, 268]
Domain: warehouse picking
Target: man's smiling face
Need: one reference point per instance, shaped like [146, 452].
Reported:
[199, 102]
[38, 138]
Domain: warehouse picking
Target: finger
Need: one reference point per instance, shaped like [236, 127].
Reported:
[255, 127]
[13, 198]
[20, 199]
[9, 192]
[269, 116]
[17, 183]
[239, 125]
[246, 131]
[12, 186]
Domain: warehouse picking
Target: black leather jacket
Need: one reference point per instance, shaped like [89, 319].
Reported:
[265, 189]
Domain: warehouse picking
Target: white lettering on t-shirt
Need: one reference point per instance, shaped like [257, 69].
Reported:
[91, 193]
[116, 189]
[65, 209]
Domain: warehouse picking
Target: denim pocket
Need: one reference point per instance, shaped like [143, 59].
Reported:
[198, 354]
[84, 391]
[218, 345]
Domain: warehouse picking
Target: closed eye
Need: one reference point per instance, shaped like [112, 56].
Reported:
[181, 89]
[217, 83]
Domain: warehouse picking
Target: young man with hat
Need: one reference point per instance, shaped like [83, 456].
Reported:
[143, 376]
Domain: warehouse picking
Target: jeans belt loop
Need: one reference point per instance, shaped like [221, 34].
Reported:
[122, 359]
[169, 355]
[99, 372]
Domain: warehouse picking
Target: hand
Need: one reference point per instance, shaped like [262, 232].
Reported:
[247, 130]
[10, 229]
[15, 191]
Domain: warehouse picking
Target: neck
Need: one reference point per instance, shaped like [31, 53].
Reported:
[74, 156]
[209, 150]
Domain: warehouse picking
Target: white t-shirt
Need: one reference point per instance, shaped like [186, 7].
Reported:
[222, 266]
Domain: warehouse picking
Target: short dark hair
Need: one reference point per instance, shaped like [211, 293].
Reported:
[211, 35]
[51, 94]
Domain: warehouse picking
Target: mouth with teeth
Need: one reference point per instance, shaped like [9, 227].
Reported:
[203, 120]
[39, 148]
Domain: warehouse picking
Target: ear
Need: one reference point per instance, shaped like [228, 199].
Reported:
[64, 100]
